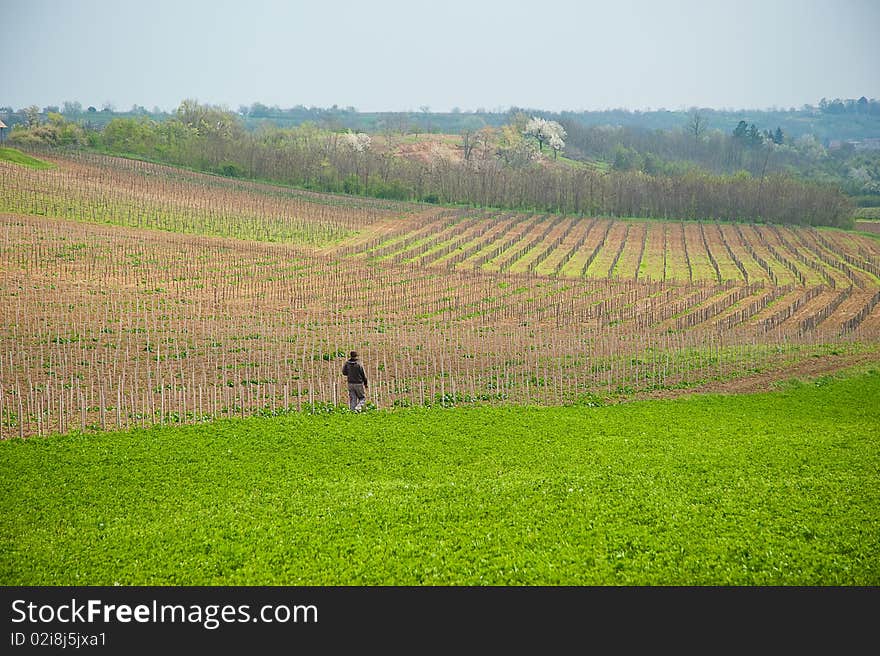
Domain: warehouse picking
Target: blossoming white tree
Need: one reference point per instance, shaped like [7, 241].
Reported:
[357, 141]
[546, 132]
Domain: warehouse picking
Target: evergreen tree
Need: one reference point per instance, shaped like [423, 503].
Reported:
[753, 136]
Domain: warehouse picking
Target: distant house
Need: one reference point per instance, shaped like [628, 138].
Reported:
[872, 143]
[2, 131]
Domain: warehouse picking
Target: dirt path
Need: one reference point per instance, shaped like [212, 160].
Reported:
[764, 381]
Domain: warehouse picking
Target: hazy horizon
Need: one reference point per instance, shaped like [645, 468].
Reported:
[388, 56]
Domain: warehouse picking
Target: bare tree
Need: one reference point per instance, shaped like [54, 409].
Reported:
[697, 123]
[469, 141]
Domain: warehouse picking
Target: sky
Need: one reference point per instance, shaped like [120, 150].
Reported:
[405, 55]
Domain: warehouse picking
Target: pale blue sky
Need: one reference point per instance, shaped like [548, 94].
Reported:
[392, 55]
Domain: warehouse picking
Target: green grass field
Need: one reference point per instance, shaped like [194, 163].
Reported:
[18, 157]
[772, 489]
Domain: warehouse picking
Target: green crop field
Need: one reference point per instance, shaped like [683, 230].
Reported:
[778, 488]
[868, 213]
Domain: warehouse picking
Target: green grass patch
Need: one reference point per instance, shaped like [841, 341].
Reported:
[17, 157]
[771, 489]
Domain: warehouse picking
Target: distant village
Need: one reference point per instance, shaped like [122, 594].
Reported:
[856, 144]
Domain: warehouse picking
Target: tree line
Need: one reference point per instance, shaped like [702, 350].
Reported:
[501, 168]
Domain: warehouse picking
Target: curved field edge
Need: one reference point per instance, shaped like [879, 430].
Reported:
[17, 157]
[776, 488]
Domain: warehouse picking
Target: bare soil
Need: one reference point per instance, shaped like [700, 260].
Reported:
[429, 151]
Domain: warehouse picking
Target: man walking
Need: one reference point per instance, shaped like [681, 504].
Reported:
[357, 382]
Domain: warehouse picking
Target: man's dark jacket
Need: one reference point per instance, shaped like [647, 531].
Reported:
[354, 372]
